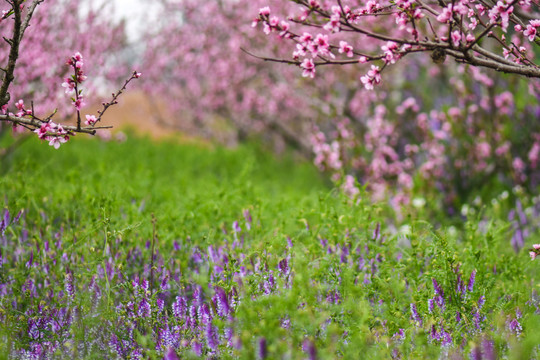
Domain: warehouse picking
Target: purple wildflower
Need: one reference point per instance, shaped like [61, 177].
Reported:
[248, 218]
[196, 347]
[430, 305]
[179, 307]
[262, 349]
[5, 222]
[377, 232]
[269, 284]
[205, 317]
[481, 302]
[446, 338]
[438, 290]
[283, 266]
[16, 220]
[30, 261]
[192, 321]
[222, 303]
[176, 246]
[212, 339]
[439, 300]
[160, 305]
[400, 335]
[488, 350]
[171, 355]
[470, 285]
[476, 353]
[309, 348]
[68, 286]
[197, 296]
[333, 297]
[414, 314]
[229, 333]
[514, 326]
[236, 227]
[144, 308]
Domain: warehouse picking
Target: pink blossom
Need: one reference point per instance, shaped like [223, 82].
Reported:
[349, 186]
[518, 164]
[90, 120]
[69, 84]
[371, 78]
[372, 6]
[309, 68]
[79, 103]
[285, 26]
[265, 11]
[531, 30]
[56, 141]
[43, 130]
[446, 14]
[534, 154]
[345, 48]
[333, 25]
[500, 11]
[535, 251]
[320, 46]
[456, 38]
[306, 38]
[389, 51]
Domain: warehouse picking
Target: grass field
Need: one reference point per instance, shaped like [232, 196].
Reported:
[151, 250]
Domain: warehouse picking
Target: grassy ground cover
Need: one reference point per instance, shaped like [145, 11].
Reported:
[252, 257]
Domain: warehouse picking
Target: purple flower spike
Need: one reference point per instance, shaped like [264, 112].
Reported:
[262, 350]
[438, 290]
[17, 218]
[5, 222]
[68, 286]
[205, 317]
[171, 355]
[414, 314]
[430, 305]
[476, 353]
[283, 267]
[248, 218]
[223, 308]
[236, 227]
[310, 349]
[31, 260]
[488, 350]
[196, 347]
[179, 307]
[470, 285]
[212, 339]
[144, 308]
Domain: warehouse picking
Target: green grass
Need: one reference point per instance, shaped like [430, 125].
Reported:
[347, 292]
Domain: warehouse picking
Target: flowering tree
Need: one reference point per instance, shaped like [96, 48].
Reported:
[35, 58]
[450, 139]
[195, 62]
[448, 134]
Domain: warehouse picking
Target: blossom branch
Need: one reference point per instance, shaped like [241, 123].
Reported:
[461, 30]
